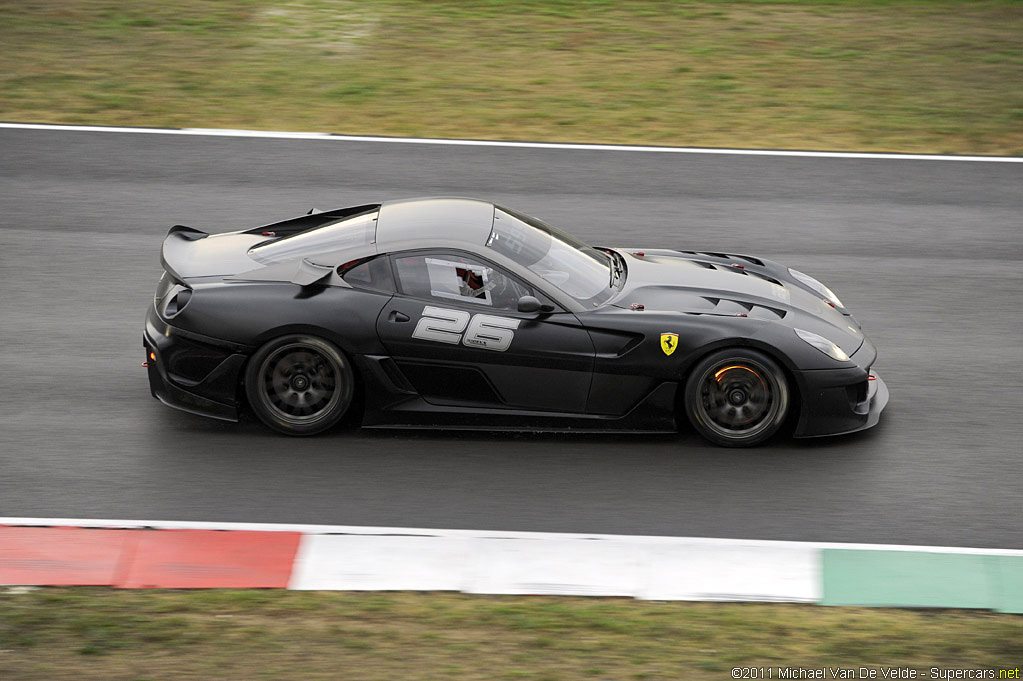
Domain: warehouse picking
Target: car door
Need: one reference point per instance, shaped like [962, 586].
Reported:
[455, 332]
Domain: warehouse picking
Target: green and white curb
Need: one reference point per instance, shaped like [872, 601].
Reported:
[353, 558]
[923, 579]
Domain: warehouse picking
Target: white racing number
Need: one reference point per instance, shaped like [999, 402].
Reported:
[485, 331]
[440, 325]
[490, 333]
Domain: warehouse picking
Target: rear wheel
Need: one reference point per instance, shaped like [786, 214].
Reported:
[299, 385]
[737, 397]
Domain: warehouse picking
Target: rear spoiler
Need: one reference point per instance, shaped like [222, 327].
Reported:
[172, 242]
[181, 255]
[178, 249]
[187, 233]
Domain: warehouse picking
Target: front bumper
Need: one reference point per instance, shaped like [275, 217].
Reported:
[840, 401]
[192, 373]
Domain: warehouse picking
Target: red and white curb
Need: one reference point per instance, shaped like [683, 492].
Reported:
[166, 554]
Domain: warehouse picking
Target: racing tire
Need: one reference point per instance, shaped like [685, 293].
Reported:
[737, 397]
[299, 385]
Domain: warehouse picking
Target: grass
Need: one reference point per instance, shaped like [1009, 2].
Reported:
[107, 634]
[909, 75]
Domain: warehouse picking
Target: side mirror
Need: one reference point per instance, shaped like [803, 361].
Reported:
[531, 304]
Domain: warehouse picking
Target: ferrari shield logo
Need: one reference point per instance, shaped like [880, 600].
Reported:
[669, 341]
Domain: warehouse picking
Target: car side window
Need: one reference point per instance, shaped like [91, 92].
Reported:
[374, 274]
[455, 277]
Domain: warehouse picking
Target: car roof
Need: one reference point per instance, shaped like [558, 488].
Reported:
[436, 222]
[442, 222]
[446, 221]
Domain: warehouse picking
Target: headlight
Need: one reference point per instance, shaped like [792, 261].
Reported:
[820, 288]
[823, 344]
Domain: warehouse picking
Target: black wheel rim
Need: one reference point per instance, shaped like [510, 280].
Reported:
[299, 383]
[739, 398]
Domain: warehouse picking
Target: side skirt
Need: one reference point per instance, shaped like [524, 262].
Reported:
[655, 413]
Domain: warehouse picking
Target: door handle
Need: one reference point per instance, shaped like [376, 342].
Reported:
[396, 316]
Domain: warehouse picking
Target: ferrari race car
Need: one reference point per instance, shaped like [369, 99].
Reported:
[457, 313]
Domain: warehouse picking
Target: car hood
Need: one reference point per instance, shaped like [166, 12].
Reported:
[720, 284]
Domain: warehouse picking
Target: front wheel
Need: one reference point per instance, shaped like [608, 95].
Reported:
[299, 385]
[737, 397]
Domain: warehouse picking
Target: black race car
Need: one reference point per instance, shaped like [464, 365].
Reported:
[456, 313]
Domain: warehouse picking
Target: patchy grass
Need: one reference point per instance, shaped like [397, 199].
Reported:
[939, 76]
[107, 634]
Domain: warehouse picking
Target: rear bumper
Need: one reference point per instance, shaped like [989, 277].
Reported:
[192, 373]
[840, 401]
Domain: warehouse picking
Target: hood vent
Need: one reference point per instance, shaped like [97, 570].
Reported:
[758, 275]
[727, 256]
[728, 306]
[748, 273]
[747, 258]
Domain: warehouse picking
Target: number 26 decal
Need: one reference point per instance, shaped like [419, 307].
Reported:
[484, 331]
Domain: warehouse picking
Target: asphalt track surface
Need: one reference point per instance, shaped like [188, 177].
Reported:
[928, 255]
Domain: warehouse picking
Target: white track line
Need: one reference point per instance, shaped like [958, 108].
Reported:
[493, 534]
[323, 136]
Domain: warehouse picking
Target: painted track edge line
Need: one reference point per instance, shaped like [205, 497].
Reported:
[272, 134]
[107, 523]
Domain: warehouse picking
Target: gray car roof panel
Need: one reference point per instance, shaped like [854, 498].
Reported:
[444, 219]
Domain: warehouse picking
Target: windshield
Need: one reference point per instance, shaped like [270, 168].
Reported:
[579, 270]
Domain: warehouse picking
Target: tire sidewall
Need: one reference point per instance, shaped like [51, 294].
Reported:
[693, 396]
[345, 383]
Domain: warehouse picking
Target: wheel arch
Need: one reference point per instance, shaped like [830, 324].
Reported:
[355, 411]
[304, 330]
[788, 367]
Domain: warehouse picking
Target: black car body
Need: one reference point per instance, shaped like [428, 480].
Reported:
[457, 313]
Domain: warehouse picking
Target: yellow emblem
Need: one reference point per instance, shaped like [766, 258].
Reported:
[669, 341]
